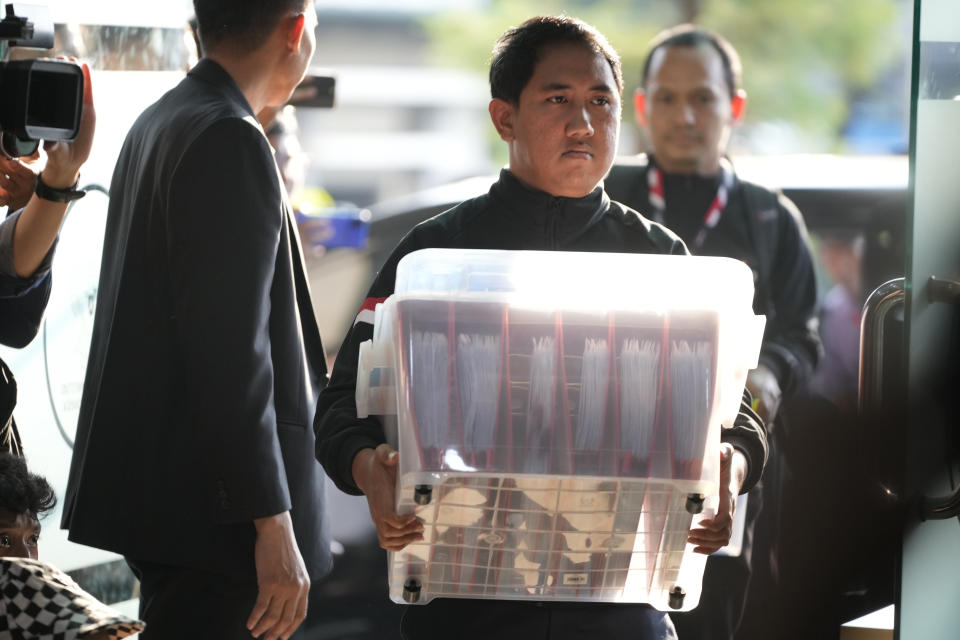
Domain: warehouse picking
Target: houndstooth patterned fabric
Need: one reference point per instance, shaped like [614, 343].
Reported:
[40, 601]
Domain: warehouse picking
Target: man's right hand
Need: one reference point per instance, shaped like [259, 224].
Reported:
[282, 581]
[375, 472]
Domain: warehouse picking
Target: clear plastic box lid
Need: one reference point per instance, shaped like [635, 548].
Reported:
[579, 280]
[558, 418]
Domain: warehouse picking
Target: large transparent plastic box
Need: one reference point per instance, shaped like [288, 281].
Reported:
[557, 417]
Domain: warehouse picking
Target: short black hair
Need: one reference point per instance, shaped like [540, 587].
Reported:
[516, 53]
[689, 35]
[245, 24]
[22, 491]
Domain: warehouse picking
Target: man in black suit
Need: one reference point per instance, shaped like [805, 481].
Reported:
[194, 456]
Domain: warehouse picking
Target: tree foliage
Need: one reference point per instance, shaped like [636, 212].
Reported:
[804, 60]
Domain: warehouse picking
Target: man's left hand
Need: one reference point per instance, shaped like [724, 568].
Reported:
[283, 585]
[714, 533]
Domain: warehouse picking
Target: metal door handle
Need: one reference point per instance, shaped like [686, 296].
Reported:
[884, 299]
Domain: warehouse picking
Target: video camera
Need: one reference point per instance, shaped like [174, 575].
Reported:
[39, 99]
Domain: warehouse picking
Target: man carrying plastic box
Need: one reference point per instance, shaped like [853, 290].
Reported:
[688, 102]
[556, 86]
[205, 357]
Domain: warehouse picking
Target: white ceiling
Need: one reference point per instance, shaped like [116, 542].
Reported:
[134, 13]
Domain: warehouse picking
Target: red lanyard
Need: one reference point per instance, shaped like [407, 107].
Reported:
[658, 202]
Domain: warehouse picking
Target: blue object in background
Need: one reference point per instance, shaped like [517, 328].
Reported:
[345, 226]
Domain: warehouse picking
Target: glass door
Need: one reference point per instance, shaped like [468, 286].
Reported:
[930, 587]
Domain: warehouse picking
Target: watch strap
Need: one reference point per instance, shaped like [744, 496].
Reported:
[46, 192]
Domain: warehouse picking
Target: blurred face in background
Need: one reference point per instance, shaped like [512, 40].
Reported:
[19, 534]
[842, 259]
[562, 133]
[687, 109]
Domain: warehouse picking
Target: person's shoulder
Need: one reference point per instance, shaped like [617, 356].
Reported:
[447, 226]
[232, 131]
[226, 153]
[189, 109]
[630, 217]
[781, 231]
[185, 101]
[45, 599]
[634, 223]
[438, 232]
[208, 87]
[26, 571]
[772, 197]
[184, 129]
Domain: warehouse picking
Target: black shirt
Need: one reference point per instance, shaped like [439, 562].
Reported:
[510, 216]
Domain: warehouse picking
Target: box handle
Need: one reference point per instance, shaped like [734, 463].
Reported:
[376, 390]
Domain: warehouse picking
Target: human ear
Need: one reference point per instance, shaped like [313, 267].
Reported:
[738, 105]
[501, 114]
[294, 27]
[640, 107]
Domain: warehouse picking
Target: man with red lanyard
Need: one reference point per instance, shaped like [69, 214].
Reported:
[688, 102]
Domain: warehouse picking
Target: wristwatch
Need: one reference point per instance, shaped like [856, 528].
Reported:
[46, 192]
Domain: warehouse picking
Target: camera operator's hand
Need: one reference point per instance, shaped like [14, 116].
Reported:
[17, 180]
[64, 159]
[40, 220]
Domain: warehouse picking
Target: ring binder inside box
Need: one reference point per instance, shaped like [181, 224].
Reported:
[556, 451]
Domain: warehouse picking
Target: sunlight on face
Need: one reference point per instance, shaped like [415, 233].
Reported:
[566, 124]
[19, 535]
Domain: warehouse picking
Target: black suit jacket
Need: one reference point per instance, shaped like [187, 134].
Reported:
[206, 361]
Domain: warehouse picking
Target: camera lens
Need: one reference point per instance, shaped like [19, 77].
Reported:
[14, 147]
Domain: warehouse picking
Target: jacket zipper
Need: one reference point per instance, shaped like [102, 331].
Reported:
[554, 224]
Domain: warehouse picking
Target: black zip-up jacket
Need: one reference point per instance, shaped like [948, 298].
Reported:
[509, 216]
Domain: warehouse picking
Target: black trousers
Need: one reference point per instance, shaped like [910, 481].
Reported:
[463, 619]
[178, 603]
